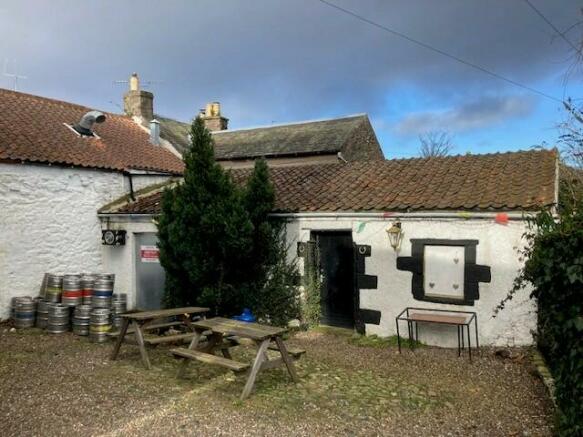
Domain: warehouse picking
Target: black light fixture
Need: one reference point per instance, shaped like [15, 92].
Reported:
[395, 233]
[113, 237]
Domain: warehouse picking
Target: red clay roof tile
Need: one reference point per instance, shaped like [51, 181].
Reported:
[502, 181]
[32, 130]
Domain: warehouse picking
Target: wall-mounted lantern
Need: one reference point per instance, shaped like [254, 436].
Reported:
[395, 234]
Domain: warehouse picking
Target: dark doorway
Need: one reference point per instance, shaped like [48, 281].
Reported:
[336, 263]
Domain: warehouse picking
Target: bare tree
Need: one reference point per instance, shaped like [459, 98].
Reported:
[435, 144]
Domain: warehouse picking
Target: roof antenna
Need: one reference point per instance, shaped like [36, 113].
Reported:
[143, 83]
[341, 158]
[14, 75]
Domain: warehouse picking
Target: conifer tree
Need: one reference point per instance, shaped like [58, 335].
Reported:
[204, 232]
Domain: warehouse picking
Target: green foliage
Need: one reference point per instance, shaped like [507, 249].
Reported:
[277, 299]
[218, 245]
[312, 301]
[204, 232]
[554, 269]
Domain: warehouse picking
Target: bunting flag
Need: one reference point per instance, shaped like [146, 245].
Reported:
[501, 218]
[360, 227]
[464, 214]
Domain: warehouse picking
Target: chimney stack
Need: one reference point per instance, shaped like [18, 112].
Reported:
[137, 103]
[155, 132]
[213, 120]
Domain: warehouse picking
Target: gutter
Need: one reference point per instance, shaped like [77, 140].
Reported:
[404, 215]
[378, 215]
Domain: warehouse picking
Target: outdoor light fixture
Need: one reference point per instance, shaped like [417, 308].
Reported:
[395, 233]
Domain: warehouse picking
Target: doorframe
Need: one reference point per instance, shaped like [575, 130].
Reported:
[355, 290]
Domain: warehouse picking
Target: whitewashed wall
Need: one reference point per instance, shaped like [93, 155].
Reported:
[49, 223]
[121, 260]
[497, 248]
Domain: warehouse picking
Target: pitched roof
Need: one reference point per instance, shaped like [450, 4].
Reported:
[301, 138]
[493, 182]
[32, 130]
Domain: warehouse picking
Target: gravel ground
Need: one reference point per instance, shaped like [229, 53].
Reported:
[63, 385]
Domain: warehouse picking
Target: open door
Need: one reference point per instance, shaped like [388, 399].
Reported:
[336, 266]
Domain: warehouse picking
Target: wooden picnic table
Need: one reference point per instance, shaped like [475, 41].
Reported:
[221, 330]
[142, 320]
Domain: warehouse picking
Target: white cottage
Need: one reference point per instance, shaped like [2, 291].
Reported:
[457, 225]
[59, 163]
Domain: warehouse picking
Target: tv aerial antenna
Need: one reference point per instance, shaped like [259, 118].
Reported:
[141, 83]
[14, 76]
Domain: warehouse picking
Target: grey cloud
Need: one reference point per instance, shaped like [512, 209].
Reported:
[486, 111]
[276, 60]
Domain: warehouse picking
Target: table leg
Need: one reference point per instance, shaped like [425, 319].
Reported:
[259, 358]
[477, 341]
[193, 345]
[398, 336]
[286, 359]
[141, 344]
[463, 339]
[469, 342]
[124, 328]
[459, 349]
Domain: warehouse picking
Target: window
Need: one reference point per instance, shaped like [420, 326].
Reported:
[444, 271]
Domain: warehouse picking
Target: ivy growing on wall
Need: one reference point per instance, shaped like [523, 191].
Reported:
[554, 270]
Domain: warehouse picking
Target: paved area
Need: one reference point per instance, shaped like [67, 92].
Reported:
[65, 385]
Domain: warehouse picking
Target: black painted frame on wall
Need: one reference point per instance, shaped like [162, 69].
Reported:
[473, 273]
[307, 250]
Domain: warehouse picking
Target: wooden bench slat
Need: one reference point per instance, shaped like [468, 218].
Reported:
[169, 338]
[148, 328]
[236, 366]
[294, 352]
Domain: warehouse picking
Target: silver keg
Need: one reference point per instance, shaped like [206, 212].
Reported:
[42, 314]
[119, 305]
[58, 322]
[72, 294]
[81, 319]
[54, 288]
[24, 312]
[87, 281]
[100, 324]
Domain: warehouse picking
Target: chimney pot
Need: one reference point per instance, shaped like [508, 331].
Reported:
[213, 120]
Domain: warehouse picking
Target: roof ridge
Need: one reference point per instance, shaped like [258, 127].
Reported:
[291, 123]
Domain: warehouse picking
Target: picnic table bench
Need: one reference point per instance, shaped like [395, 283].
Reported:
[234, 332]
[460, 319]
[146, 320]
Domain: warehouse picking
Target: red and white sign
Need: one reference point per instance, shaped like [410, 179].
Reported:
[150, 254]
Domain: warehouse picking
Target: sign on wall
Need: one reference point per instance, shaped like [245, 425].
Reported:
[149, 254]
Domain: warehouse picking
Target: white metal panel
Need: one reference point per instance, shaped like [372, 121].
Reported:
[443, 273]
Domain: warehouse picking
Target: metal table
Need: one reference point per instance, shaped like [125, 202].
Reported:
[460, 319]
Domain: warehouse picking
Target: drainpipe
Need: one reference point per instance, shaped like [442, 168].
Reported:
[132, 194]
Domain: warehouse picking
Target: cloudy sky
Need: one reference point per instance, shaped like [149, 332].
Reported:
[274, 61]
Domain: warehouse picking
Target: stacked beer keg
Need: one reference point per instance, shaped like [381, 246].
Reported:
[24, 311]
[87, 281]
[54, 288]
[81, 318]
[42, 314]
[86, 300]
[72, 294]
[58, 321]
[119, 306]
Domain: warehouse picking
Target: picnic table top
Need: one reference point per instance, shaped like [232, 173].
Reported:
[155, 314]
[254, 331]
